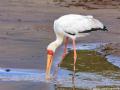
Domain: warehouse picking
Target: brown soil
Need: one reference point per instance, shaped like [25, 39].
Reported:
[88, 4]
[111, 48]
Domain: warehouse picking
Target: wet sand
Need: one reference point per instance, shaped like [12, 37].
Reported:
[25, 86]
[26, 28]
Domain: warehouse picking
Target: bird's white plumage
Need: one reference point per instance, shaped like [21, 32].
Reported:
[73, 24]
[76, 23]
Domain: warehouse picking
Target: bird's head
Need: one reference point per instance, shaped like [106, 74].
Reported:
[50, 51]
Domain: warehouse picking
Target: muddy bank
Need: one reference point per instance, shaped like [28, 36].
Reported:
[111, 48]
[88, 4]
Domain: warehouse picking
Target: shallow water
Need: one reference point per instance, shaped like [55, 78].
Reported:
[64, 81]
[90, 80]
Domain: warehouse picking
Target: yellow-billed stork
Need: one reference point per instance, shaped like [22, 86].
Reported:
[71, 26]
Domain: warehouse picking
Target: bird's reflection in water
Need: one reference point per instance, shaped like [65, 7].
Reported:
[67, 88]
[73, 80]
[57, 87]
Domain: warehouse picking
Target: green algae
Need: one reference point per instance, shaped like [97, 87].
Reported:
[69, 88]
[88, 61]
[114, 87]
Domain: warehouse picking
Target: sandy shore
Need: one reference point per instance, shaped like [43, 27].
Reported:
[26, 28]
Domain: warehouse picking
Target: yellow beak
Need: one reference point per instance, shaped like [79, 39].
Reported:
[48, 67]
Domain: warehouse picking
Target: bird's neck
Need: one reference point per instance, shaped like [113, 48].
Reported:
[52, 46]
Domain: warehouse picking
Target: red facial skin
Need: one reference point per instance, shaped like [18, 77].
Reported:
[50, 52]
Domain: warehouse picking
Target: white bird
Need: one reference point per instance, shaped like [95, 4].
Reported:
[71, 26]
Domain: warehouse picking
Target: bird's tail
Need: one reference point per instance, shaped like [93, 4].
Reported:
[105, 28]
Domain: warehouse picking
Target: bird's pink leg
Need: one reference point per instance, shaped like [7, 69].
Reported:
[65, 48]
[75, 54]
[75, 57]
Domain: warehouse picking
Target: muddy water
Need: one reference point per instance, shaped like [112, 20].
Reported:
[64, 81]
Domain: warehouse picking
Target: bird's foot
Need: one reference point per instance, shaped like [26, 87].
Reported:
[55, 76]
[48, 77]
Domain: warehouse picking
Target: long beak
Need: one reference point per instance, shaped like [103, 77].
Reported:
[49, 63]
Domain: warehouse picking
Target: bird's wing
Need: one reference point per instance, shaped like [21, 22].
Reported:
[81, 25]
[76, 23]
